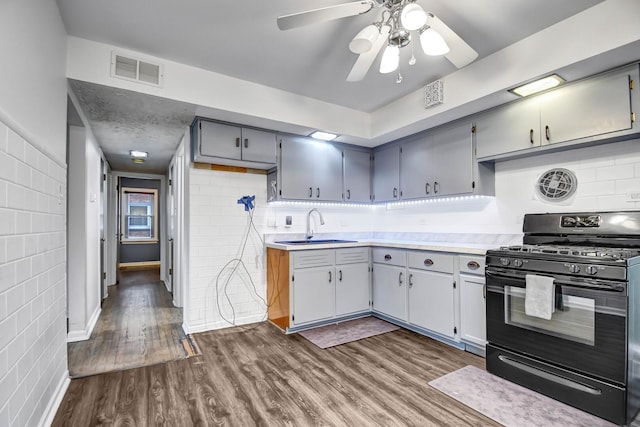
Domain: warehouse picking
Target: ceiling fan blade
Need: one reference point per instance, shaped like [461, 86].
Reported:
[295, 20]
[365, 60]
[460, 53]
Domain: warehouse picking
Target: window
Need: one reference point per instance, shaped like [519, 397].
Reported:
[139, 219]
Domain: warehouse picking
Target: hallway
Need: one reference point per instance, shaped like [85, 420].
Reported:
[138, 326]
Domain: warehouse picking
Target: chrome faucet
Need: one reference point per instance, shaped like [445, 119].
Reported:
[309, 234]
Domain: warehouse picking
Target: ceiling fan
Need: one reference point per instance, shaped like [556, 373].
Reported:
[394, 29]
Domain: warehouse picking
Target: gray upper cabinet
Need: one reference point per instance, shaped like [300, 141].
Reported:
[309, 169]
[415, 171]
[233, 145]
[451, 165]
[357, 176]
[589, 110]
[386, 174]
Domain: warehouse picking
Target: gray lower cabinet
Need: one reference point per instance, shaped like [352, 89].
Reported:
[233, 145]
[357, 176]
[386, 174]
[432, 292]
[595, 108]
[390, 290]
[309, 170]
[473, 302]
[329, 283]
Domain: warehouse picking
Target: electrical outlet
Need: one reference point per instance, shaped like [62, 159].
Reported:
[288, 221]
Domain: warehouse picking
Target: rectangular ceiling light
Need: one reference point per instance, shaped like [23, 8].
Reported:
[325, 136]
[138, 154]
[538, 85]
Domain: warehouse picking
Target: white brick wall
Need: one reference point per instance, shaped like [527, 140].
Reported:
[33, 352]
[217, 225]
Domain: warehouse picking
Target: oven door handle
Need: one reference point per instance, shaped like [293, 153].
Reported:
[586, 388]
[612, 287]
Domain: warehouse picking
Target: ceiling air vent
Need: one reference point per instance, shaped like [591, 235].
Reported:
[136, 70]
[556, 185]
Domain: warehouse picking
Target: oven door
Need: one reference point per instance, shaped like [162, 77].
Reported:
[586, 333]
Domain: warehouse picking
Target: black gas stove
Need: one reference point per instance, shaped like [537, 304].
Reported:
[585, 353]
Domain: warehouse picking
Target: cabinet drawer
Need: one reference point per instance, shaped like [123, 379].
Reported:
[390, 256]
[306, 259]
[352, 255]
[472, 264]
[433, 261]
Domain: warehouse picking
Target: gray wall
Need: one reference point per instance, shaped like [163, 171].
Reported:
[142, 252]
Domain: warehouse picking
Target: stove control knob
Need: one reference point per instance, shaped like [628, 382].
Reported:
[592, 269]
[505, 261]
[574, 268]
[517, 262]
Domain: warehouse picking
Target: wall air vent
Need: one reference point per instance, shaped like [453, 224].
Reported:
[136, 70]
[556, 185]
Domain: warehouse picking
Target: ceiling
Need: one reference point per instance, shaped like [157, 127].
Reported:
[241, 39]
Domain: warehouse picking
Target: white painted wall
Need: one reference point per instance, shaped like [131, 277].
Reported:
[33, 90]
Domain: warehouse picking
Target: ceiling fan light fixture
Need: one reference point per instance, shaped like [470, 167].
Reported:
[390, 59]
[413, 17]
[364, 40]
[432, 42]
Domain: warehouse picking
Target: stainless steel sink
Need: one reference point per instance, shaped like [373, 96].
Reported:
[314, 241]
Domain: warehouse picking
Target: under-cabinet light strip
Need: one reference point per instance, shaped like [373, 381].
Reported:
[389, 204]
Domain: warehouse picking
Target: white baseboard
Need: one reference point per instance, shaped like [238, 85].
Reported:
[75, 336]
[221, 324]
[166, 285]
[54, 403]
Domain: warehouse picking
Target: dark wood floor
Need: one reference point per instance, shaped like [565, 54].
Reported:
[138, 326]
[255, 375]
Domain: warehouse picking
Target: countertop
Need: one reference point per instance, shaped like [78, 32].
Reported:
[454, 247]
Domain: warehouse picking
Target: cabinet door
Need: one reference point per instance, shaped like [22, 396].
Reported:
[589, 108]
[472, 310]
[326, 164]
[357, 176]
[514, 127]
[313, 294]
[220, 140]
[352, 288]
[386, 174]
[258, 146]
[450, 162]
[390, 291]
[414, 172]
[431, 301]
[295, 164]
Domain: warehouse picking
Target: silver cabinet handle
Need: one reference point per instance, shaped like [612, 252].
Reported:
[395, 193]
[400, 279]
[435, 187]
[340, 275]
[428, 262]
[246, 143]
[473, 265]
[547, 132]
[348, 194]
[310, 192]
[318, 192]
[426, 188]
[531, 136]
[387, 257]
[329, 277]
[410, 280]
[237, 142]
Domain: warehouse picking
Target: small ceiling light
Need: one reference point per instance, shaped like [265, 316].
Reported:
[325, 136]
[432, 42]
[138, 154]
[538, 85]
[364, 40]
[390, 59]
[413, 16]
[137, 160]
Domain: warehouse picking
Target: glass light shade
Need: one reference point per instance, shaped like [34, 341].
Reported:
[363, 41]
[538, 85]
[390, 59]
[413, 17]
[432, 42]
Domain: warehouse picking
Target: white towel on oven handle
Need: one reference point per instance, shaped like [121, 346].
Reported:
[539, 300]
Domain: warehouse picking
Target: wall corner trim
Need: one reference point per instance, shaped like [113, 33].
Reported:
[75, 336]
